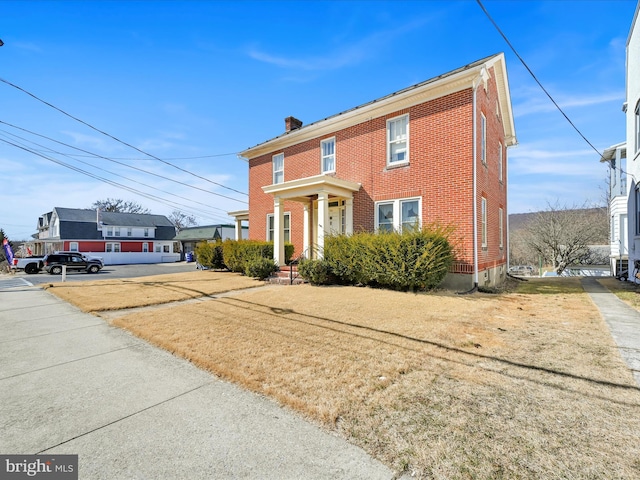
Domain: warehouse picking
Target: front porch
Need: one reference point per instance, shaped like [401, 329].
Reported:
[327, 206]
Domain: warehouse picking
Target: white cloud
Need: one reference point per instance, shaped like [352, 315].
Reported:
[542, 104]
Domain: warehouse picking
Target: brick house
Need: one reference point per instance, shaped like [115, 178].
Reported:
[117, 238]
[404, 158]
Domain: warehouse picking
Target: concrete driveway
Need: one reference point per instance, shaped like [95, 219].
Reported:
[71, 384]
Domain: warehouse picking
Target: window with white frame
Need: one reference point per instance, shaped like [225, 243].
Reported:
[145, 247]
[129, 232]
[500, 164]
[271, 227]
[484, 222]
[112, 247]
[328, 149]
[399, 215]
[117, 232]
[166, 248]
[146, 232]
[483, 138]
[73, 247]
[278, 168]
[109, 231]
[398, 140]
[158, 248]
[501, 226]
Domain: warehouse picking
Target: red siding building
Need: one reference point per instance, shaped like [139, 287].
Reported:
[433, 152]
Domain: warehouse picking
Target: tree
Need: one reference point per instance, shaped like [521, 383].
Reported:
[182, 220]
[119, 205]
[562, 236]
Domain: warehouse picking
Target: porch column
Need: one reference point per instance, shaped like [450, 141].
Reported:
[348, 216]
[306, 235]
[238, 229]
[323, 220]
[278, 231]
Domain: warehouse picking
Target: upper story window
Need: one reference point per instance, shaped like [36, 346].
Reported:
[398, 140]
[483, 138]
[129, 232]
[328, 148]
[109, 231]
[278, 168]
[146, 232]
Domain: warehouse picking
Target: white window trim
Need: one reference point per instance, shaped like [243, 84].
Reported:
[500, 164]
[273, 168]
[637, 126]
[145, 247]
[113, 247]
[270, 215]
[397, 212]
[501, 226]
[74, 247]
[322, 157]
[404, 162]
[483, 222]
[483, 139]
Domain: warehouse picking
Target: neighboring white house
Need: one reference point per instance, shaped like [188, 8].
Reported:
[619, 188]
[632, 109]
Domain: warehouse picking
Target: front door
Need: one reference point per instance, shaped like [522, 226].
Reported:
[336, 220]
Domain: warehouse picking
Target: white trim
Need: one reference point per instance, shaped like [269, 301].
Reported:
[483, 138]
[500, 163]
[322, 156]
[390, 141]
[272, 215]
[273, 168]
[501, 226]
[396, 205]
[484, 222]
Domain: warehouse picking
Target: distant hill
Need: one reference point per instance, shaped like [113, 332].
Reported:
[518, 220]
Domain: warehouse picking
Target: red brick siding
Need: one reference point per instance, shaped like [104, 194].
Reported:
[440, 171]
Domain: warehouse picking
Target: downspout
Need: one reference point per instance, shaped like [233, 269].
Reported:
[474, 289]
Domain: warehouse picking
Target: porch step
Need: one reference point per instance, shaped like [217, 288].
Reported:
[283, 276]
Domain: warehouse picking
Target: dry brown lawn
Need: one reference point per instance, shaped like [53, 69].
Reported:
[516, 385]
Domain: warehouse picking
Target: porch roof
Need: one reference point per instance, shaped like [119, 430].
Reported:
[301, 189]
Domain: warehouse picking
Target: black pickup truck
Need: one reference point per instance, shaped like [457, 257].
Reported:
[74, 261]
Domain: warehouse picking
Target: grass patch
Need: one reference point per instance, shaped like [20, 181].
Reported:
[625, 291]
[103, 295]
[549, 286]
[439, 385]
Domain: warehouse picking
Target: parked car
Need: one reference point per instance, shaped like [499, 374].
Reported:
[522, 270]
[74, 261]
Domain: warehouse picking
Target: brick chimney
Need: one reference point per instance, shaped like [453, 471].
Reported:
[292, 123]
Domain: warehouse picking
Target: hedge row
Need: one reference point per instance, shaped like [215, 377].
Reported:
[415, 260]
[250, 257]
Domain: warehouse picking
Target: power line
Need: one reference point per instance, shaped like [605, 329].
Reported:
[115, 138]
[96, 177]
[117, 175]
[536, 78]
[95, 155]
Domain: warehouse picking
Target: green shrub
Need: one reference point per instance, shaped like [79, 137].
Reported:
[236, 253]
[260, 268]
[209, 254]
[317, 272]
[414, 260]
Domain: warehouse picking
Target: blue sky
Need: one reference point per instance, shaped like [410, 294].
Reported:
[195, 82]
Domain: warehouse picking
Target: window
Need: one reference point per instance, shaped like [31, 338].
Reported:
[637, 195]
[129, 232]
[483, 139]
[73, 247]
[158, 248]
[145, 247]
[637, 126]
[398, 215]
[398, 140]
[165, 248]
[117, 232]
[109, 231]
[501, 226]
[146, 232]
[500, 160]
[484, 222]
[271, 228]
[112, 247]
[278, 168]
[328, 149]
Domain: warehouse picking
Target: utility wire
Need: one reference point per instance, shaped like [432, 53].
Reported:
[115, 138]
[536, 78]
[89, 174]
[94, 155]
[117, 175]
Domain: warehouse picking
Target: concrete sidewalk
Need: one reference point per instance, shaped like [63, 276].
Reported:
[71, 384]
[623, 322]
